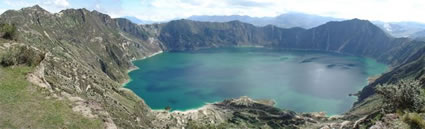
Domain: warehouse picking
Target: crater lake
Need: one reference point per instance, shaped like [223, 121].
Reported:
[302, 81]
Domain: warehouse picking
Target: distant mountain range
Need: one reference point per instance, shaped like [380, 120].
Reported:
[401, 29]
[419, 35]
[289, 20]
[307, 21]
[137, 20]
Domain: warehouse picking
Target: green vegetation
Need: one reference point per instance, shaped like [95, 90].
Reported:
[8, 31]
[406, 95]
[23, 105]
[194, 125]
[414, 120]
[21, 55]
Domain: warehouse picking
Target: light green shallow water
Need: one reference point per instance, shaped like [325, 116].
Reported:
[302, 81]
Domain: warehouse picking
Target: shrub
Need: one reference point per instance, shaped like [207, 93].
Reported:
[404, 95]
[168, 108]
[8, 31]
[414, 120]
[21, 55]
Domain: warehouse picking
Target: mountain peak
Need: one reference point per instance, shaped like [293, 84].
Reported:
[359, 20]
[75, 10]
[36, 7]
[354, 25]
[353, 22]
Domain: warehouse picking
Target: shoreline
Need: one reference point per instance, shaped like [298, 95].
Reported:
[191, 110]
[372, 79]
[133, 67]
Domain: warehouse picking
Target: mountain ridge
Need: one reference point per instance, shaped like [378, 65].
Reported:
[287, 20]
[294, 19]
[318, 38]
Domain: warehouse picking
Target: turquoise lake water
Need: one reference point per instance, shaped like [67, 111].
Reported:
[302, 81]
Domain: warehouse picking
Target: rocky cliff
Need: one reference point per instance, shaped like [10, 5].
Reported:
[355, 37]
[86, 55]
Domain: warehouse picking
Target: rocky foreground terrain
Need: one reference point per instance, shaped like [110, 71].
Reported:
[80, 58]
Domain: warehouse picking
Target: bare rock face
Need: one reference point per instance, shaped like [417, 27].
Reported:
[243, 101]
[260, 113]
[240, 112]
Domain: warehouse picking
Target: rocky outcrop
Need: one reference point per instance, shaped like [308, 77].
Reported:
[241, 112]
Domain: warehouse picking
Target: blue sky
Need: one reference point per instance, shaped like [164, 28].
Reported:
[161, 10]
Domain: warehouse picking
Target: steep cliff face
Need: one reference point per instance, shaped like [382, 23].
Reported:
[183, 35]
[188, 35]
[355, 37]
[414, 68]
[81, 34]
[87, 55]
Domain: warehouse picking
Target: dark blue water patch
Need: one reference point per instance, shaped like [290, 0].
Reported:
[157, 88]
[345, 67]
[351, 65]
[309, 60]
[341, 66]
[197, 93]
[297, 80]
[172, 101]
[331, 65]
[229, 90]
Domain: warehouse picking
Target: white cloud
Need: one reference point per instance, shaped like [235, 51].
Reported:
[50, 5]
[2, 10]
[160, 10]
[171, 9]
[387, 10]
[54, 5]
[58, 3]
[17, 3]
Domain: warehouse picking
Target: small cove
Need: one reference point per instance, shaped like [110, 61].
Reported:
[302, 81]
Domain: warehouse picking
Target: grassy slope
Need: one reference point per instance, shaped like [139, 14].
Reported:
[23, 105]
